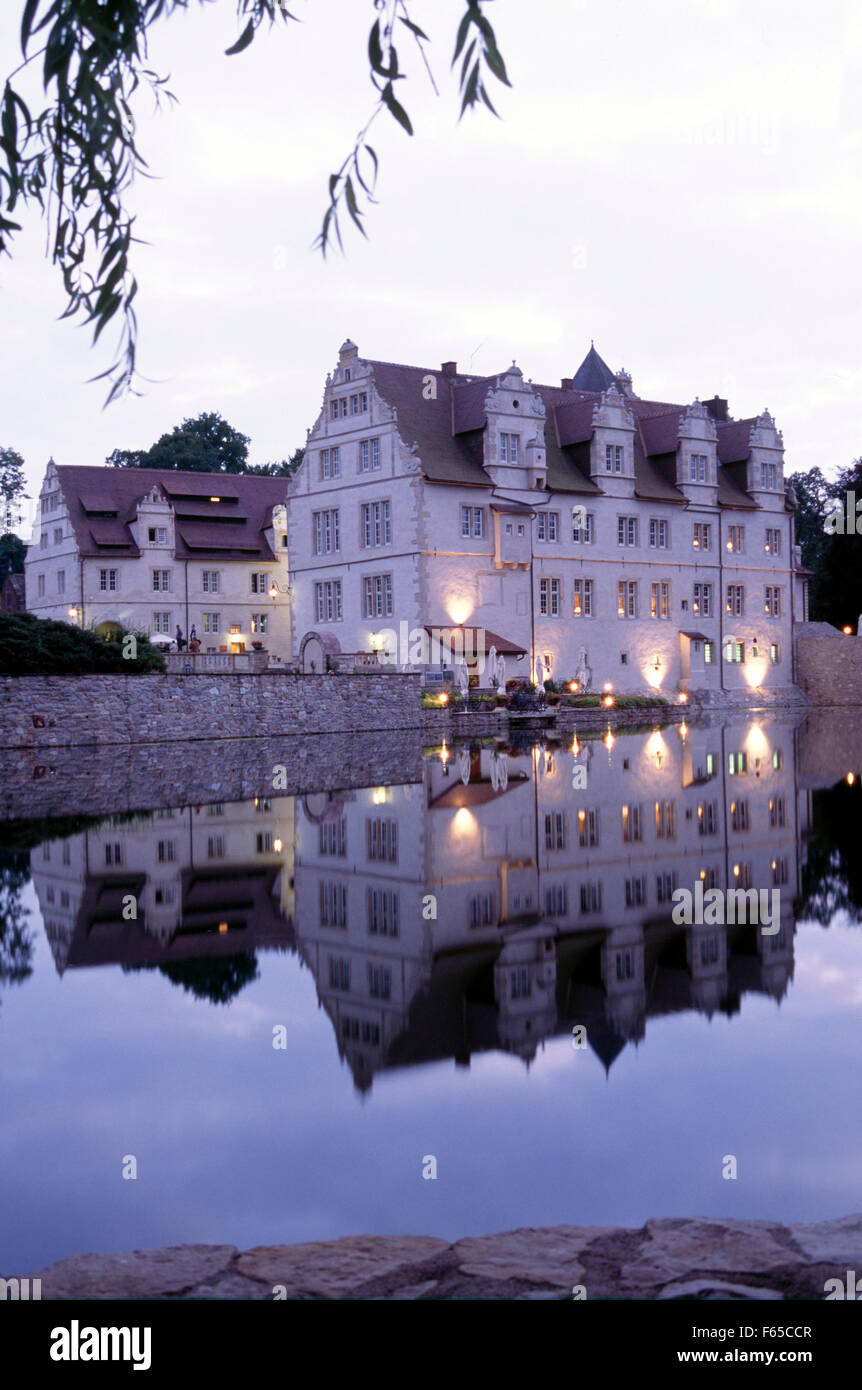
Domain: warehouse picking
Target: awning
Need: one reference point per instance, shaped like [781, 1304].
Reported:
[473, 640]
[696, 636]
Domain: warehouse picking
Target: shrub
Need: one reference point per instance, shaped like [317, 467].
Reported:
[31, 646]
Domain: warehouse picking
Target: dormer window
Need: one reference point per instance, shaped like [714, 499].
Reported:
[613, 458]
[509, 448]
[158, 535]
[768, 473]
[697, 468]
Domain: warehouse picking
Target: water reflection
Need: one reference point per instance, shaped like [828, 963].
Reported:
[518, 891]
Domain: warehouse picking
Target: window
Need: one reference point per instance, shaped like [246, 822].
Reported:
[333, 838]
[697, 467]
[158, 535]
[330, 463]
[215, 847]
[215, 809]
[58, 535]
[708, 652]
[549, 597]
[382, 912]
[338, 408]
[43, 541]
[660, 600]
[519, 983]
[627, 530]
[377, 596]
[777, 810]
[665, 887]
[382, 836]
[114, 853]
[583, 598]
[779, 873]
[583, 529]
[734, 652]
[627, 598]
[472, 521]
[775, 652]
[260, 622]
[709, 950]
[548, 526]
[167, 851]
[635, 897]
[736, 539]
[625, 962]
[333, 904]
[108, 581]
[707, 818]
[555, 830]
[591, 897]
[264, 842]
[339, 973]
[509, 448]
[737, 764]
[772, 544]
[735, 602]
[665, 820]
[210, 581]
[212, 622]
[481, 910]
[327, 601]
[369, 454]
[162, 623]
[588, 829]
[631, 824]
[702, 600]
[772, 602]
[658, 534]
[325, 532]
[162, 580]
[379, 982]
[556, 901]
[768, 475]
[41, 586]
[359, 403]
[739, 815]
[258, 581]
[701, 539]
[377, 524]
[61, 581]
[613, 458]
[742, 875]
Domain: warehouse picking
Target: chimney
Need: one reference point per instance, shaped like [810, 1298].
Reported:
[566, 383]
[449, 368]
[717, 409]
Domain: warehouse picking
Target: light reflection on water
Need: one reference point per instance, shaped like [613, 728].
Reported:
[427, 949]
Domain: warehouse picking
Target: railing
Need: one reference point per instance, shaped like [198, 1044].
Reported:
[202, 663]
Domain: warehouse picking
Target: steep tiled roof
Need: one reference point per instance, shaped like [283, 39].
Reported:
[446, 457]
[593, 374]
[733, 445]
[103, 502]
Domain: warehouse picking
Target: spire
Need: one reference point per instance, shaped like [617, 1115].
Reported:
[593, 374]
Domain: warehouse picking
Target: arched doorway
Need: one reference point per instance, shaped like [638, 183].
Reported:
[315, 652]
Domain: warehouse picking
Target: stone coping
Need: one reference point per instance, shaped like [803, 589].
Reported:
[673, 1257]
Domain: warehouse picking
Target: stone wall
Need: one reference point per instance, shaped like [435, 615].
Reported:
[829, 665]
[62, 711]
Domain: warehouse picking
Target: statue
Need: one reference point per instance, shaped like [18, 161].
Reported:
[492, 666]
[583, 674]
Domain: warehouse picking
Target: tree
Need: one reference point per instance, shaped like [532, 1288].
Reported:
[815, 496]
[16, 939]
[284, 469]
[207, 444]
[218, 979]
[77, 158]
[11, 487]
[839, 583]
[12, 552]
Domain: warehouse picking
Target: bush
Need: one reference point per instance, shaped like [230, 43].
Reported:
[32, 646]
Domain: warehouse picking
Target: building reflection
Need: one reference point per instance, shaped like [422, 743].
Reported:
[517, 892]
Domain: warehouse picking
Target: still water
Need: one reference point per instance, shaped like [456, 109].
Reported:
[423, 951]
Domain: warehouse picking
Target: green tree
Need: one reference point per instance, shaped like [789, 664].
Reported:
[77, 157]
[839, 581]
[16, 939]
[815, 496]
[12, 552]
[218, 979]
[207, 444]
[284, 469]
[12, 486]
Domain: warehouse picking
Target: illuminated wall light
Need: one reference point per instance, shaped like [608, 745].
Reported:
[850, 779]
[607, 701]
[222, 926]
[378, 796]
[464, 823]
[736, 871]
[278, 846]
[848, 631]
[608, 685]
[703, 873]
[443, 698]
[459, 608]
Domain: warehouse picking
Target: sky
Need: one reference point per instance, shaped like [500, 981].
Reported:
[682, 184]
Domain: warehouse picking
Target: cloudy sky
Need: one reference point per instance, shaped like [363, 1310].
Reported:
[682, 183]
